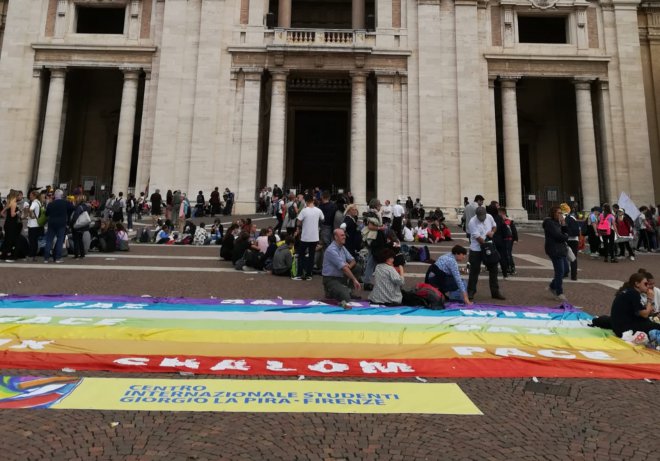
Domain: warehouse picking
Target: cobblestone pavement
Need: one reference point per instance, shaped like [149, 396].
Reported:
[588, 420]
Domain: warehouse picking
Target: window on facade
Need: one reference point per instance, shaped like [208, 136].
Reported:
[542, 29]
[100, 20]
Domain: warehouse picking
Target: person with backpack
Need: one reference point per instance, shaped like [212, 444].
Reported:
[445, 275]
[130, 211]
[58, 212]
[606, 225]
[79, 227]
[118, 207]
[291, 214]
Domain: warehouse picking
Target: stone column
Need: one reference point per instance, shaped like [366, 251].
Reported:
[513, 189]
[358, 14]
[52, 125]
[610, 176]
[245, 200]
[125, 130]
[284, 15]
[277, 137]
[587, 144]
[358, 184]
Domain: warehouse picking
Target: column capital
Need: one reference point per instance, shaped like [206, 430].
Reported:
[279, 75]
[582, 83]
[513, 78]
[385, 76]
[57, 72]
[358, 75]
[130, 73]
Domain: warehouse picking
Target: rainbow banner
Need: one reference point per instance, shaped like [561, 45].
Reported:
[302, 337]
[233, 395]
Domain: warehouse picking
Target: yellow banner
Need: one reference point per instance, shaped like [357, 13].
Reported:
[261, 396]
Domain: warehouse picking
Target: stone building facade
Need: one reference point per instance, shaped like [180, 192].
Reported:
[437, 99]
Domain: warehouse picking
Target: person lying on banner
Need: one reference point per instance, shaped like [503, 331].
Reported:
[630, 312]
[445, 275]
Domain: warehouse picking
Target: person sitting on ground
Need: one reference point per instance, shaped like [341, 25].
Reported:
[201, 235]
[408, 235]
[445, 275]
[423, 232]
[444, 230]
[652, 293]
[106, 239]
[339, 268]
[629, 312]
[241, 245]
[217, 232]
[262, 240]
[388, 280]
[435, 236]
[163, 237]
[227, 248]
[122, 237]
[283, 258]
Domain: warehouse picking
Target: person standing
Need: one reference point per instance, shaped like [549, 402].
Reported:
[130, 210]
[481, 228]
[573, 230]
[470, 211]
[12, 215]
[58, 212]
[156, 205]
[397, 219]
[556, 248]
[309, 220]
[35, 231]
[214, 201]
[78, 246]
[606, 226]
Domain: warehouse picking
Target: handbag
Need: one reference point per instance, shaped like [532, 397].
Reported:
[489, 254]
[569, 254]
[82, 221]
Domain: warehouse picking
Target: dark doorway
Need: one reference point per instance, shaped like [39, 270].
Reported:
[320, 148]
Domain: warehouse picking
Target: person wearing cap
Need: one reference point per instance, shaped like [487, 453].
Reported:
[470, 211]
[480, 228]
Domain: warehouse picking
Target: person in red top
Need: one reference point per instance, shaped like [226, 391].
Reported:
[624, 227]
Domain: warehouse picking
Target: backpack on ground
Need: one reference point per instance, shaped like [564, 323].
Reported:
[412, 299]
[434, 298]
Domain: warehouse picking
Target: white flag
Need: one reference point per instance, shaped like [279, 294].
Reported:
[627, 204]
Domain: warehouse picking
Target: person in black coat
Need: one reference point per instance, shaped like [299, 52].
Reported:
[629, 312]
[58, 212]
[556, 248]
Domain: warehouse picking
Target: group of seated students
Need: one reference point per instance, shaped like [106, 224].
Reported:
[636, 307]
[431, 230]
[165, 233]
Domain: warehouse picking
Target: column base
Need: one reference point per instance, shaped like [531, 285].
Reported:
[517, 214]
[244, 208]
